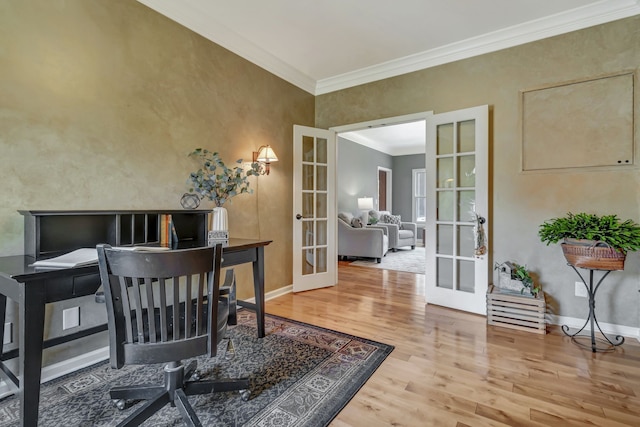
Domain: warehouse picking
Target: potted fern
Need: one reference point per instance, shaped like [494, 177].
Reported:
[592, 241]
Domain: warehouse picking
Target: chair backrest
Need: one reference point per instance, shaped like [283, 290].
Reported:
[161, 306]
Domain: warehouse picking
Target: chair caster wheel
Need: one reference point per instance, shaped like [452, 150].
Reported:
[245, 394]
[119, 403]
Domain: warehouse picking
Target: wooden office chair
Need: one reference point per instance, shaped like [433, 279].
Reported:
[179, 285]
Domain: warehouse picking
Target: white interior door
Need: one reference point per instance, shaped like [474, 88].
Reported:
[314, 209]
[457, 271]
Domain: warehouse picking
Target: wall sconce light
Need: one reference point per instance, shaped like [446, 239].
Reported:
[265, 155]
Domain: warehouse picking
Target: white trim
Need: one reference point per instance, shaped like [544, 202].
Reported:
[274, 294]
[188, 15]
[609, 328]
[65, 367]
[561, 23]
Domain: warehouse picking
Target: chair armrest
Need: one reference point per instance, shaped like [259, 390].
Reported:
[384, 229]
[410, 226]
[392, 232]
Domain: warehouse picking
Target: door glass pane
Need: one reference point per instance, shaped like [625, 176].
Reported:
[321, 147]
[321, 178]
[445, 139]
[307, 177]
[467, 136]
[466, 205]
[307, 233]
[445, 206]
[466, 243]
[445, 273]
[445, 172]
[444, 244]
[321, 260]
[466, 275]
[307, 205]
[321, 232]
[321, 205]
[307, 149]
[307, 261]
[467, 171]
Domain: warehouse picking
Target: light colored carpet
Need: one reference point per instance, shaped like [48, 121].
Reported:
[404, 259]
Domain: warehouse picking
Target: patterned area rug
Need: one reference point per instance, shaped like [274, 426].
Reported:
[301, 375]
[405, 259]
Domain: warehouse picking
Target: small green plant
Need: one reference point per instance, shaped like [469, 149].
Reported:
[622, 235]
[217, 182]
[521, 273]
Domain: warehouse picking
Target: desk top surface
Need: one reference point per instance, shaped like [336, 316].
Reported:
[18, 267]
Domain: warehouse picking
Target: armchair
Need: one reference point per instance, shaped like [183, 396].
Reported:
[402, 234]
[366, 242]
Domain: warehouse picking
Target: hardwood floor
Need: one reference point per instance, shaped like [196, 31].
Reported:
[450, 369]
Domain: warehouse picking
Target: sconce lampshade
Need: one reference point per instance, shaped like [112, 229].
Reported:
[265, 155]
[365, 203]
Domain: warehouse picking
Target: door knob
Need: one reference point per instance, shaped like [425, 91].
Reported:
[298, 216]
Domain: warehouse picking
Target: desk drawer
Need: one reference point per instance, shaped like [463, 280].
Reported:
[234, 258]
[70, 287]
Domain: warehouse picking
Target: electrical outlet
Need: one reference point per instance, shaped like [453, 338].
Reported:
[8, 333]
[71, 318]
[581, 290]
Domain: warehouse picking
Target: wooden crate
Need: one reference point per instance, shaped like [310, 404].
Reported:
[516, 312]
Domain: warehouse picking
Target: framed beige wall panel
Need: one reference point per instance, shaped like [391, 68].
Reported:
[581, 124]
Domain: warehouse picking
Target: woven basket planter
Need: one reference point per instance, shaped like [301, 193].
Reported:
[593, 255]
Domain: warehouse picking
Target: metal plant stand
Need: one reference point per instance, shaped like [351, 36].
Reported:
[608, 343]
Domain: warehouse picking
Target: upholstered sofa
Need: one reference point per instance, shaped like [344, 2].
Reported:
[365, 242]
[400, 234]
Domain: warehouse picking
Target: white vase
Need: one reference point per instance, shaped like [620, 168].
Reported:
[219, 222]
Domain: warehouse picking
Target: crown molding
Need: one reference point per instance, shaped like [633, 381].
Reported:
[575, 19]
[190, 17]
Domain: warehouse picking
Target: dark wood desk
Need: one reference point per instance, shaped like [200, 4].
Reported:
[31, 289]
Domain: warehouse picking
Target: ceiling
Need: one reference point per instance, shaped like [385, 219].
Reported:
[328, 45]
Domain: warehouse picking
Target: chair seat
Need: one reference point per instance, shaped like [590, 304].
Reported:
[405, 234]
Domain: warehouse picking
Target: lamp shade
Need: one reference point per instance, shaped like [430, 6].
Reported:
[266, 154]
[365, 203]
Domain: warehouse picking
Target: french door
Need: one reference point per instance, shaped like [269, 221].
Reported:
[314, 209]
[457, 270]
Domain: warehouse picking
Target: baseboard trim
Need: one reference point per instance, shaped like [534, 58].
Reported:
[65, 367]
[609, 328]
[274, 294]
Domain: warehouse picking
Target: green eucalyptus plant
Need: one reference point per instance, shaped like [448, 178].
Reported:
[622, 235]
[217, 182]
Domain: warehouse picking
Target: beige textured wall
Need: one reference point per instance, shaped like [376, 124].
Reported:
[522, 201]
[100, 103]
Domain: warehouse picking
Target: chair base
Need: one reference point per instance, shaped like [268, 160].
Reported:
[174, 391]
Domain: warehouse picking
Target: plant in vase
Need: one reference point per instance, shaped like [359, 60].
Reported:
[592, 241]
[219, 183]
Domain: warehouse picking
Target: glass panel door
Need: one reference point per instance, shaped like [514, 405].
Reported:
[315, 262]
[457, 275]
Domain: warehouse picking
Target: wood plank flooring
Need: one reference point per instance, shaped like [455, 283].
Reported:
[450, 369]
